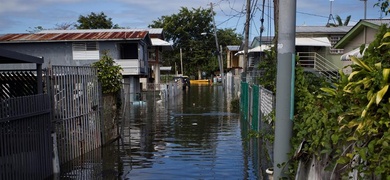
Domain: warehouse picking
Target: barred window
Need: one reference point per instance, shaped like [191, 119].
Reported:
[85, 51]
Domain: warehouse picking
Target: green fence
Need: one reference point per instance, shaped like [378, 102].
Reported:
[256, 106]
[256, 103]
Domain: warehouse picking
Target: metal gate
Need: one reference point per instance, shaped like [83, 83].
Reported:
[25, 127]
[76, 110]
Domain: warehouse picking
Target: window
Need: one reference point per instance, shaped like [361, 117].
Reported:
[85, 51]
[129, 51]
[333, 41]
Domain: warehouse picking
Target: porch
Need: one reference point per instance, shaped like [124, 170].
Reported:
[132, 67]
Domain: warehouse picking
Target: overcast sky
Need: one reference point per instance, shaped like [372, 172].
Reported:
[19, 16]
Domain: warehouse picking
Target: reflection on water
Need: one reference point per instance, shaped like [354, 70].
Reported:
[192, 136]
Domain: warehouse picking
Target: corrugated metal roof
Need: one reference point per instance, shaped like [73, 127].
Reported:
[377, 21]
[322, 29]
[71, 35]
[150, 30]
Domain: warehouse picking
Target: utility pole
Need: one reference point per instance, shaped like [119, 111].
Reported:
[220, 63]
[181, 63]
[246, 42]
[365, 8]
[284, 85]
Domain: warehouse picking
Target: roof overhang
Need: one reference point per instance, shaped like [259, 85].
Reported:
[166, 68]
[312, 41]
[257, 49]
[161, 43]
[10, 57]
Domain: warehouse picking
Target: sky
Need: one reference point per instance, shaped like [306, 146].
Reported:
[20, 16]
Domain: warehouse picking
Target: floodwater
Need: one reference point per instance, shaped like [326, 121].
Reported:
[192, 136]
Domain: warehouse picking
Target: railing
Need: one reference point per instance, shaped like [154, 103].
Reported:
[318, 63]
[132, 66]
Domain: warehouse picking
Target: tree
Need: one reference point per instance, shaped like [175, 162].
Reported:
[64, 26]
[384, 6]
[185, 30]
[95, 21]
[109, 74]
[340, 22]
[35, 29]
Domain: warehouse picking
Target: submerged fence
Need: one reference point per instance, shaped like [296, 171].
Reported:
[257, 104]
[76, 104]
[25, 140]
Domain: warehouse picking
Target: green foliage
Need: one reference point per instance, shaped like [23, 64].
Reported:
[341, 23]
[384, 6]
[95, 21]
[268, 68]
[346, 124]
[185, 30]
[35, 29]
[109, 74]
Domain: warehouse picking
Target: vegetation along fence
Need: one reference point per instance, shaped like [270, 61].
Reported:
[76, 107]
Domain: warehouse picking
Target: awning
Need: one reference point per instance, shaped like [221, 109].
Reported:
[314, 41]
[261, 48]
[159, 42]
[165, 68]
[355, 53]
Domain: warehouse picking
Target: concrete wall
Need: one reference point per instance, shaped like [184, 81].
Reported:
[57, 53]
[110, 116]
[60, 53]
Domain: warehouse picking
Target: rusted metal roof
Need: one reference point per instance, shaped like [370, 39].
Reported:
[76, 36]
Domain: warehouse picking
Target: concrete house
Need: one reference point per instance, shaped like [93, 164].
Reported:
[363, 33]
[129, 48]
[155, 58]
[313, 45]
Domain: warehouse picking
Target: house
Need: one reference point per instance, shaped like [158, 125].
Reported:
[130, 48]
[233, 62]
[257, 46]
[363, 33]
[316, 43]
[314, 46]
[155, 57]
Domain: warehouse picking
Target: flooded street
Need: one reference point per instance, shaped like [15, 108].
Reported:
[191, 136]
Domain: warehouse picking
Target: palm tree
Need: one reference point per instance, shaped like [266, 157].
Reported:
[340, 22]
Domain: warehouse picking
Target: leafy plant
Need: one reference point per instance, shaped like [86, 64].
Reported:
[109, 74]
[346, 124]
[268, 68]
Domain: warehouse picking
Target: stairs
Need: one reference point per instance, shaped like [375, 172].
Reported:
[316, 62]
